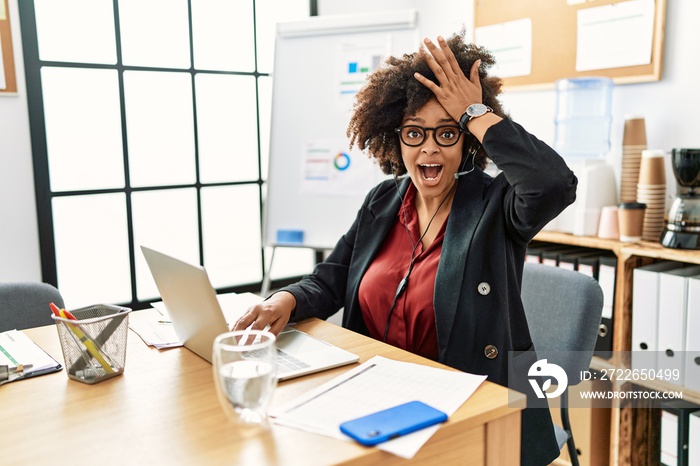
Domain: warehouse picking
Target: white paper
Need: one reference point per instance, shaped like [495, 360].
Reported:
[511, 45]
[615, 36]
[330, 168]
[17, 348]
[378, 384]
[354, 62]
[155, 329]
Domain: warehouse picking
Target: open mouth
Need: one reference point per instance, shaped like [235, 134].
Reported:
[430, 171]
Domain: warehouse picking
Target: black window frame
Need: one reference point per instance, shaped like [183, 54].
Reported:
[43, 192]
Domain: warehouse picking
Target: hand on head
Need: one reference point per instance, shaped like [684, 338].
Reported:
[274, 311]
[455, 91]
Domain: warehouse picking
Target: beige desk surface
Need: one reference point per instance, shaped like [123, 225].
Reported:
[164, 410]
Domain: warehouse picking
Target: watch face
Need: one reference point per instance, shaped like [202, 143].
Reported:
[476, 110]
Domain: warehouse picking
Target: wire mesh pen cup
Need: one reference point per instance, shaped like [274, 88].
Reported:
[94, 345]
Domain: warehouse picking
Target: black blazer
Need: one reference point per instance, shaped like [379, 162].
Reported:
[478, 312]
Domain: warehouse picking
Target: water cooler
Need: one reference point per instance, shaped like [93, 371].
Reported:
[582, 137]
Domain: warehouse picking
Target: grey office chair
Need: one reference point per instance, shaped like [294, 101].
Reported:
[563, 310]
[26, 304]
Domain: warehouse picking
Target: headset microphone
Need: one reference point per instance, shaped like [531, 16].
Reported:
[402, 284]
[458, 174]
[401, 288]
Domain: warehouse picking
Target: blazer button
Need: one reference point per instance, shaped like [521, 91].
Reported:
[491, 352]
[483, 288]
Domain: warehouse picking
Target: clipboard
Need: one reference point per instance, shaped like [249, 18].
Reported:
[21, 358]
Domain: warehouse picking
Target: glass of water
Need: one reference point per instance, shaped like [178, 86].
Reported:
[245, 374]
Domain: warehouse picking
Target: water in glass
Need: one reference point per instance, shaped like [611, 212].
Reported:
[245, 374]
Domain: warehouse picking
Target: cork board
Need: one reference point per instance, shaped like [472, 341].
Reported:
[554, 40]
[8, 81]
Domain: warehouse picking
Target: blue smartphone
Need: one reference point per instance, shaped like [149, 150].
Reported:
[393, 422]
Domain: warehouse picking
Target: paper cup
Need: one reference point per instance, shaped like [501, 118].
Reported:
[608, 226]
[652, 170]
[634, 133]
[630, 217]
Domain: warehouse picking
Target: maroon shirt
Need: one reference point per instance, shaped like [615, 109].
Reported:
[412, 325]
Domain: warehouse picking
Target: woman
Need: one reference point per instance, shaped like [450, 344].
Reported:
[433, 262]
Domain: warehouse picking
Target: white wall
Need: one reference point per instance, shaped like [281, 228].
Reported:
[19, 236]
[669, 106]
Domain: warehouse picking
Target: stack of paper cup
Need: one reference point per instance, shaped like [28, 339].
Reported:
[634, 141]
[651, 190]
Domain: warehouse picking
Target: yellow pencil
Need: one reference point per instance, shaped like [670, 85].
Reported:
[89, 344]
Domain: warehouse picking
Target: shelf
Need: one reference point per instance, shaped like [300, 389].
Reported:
[641, 248]
[690, 396]
[583, 241]
[628, 424]
[656, 251]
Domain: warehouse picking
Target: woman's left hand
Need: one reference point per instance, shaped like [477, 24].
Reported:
[455, 92]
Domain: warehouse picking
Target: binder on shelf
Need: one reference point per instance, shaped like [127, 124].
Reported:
[533, 253]
[673, 298]
[535, 249]
[553, 256]
[607, 267]
[692, 339]
[645, 312]
[675, 427]
[694, 439]
[567, 261]
[570, 260]
[588, 265]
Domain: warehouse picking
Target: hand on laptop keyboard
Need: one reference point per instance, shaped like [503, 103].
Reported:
[273, 313]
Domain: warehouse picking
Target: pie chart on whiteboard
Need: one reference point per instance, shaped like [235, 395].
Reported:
[342, 161]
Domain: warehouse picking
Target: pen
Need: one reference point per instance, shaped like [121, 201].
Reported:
[100, 340]
[22, 368]
[9, 375]
[85, 356]
[89, 344]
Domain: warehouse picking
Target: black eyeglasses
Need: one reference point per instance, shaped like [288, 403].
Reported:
[444, 135]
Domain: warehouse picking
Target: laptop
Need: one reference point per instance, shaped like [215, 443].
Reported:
[197, 318]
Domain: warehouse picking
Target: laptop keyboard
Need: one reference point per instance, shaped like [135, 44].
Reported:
[287, 363]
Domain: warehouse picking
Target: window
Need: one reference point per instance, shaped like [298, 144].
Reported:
[150, 125]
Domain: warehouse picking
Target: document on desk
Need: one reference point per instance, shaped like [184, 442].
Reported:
[18, 351]
[155, 329]
[378, 384]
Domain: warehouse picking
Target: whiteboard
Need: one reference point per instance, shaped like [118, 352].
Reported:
[316, 184]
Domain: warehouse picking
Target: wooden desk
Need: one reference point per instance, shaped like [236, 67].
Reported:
[164, 410]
